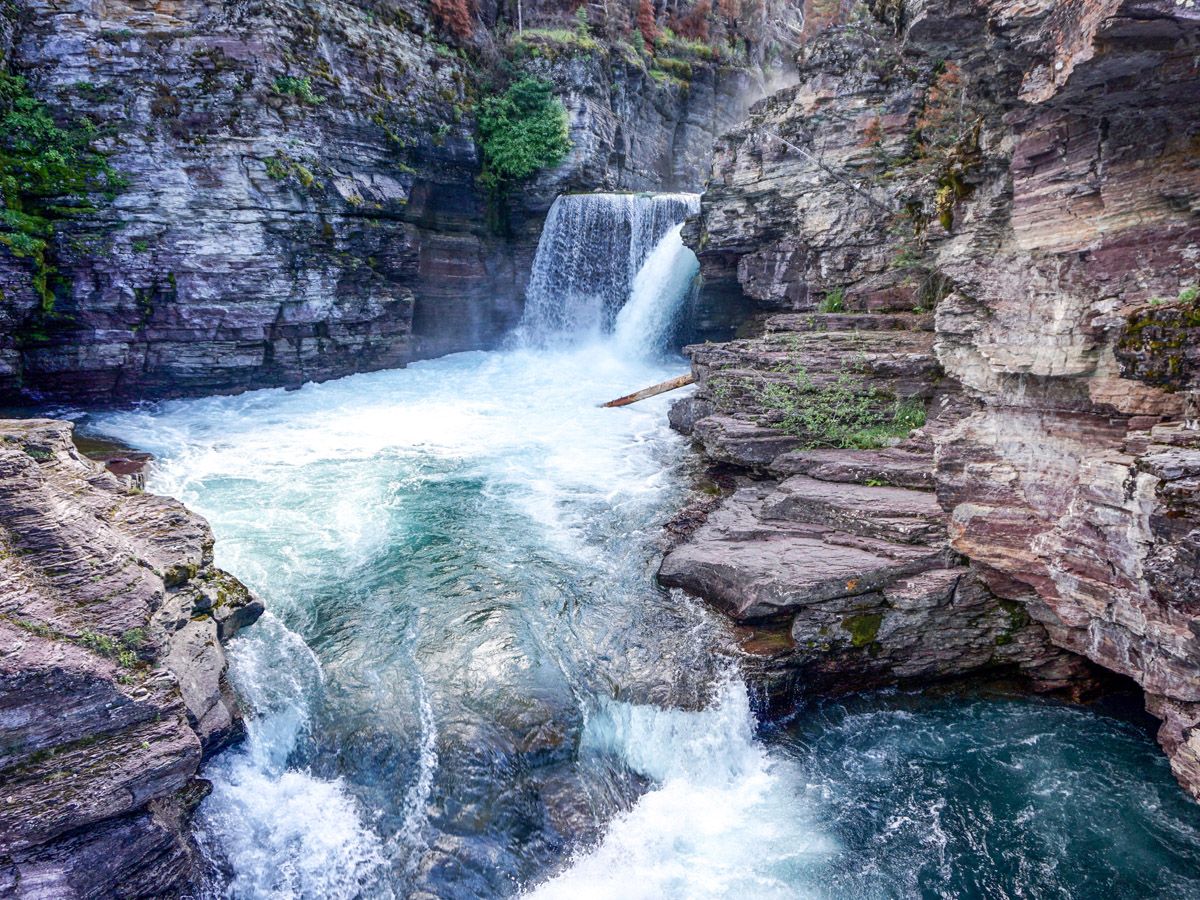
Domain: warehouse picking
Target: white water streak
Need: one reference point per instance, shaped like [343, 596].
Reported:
[288, 833]
[644, 323]
[724, 820]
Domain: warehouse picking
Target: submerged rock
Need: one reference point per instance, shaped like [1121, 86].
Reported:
[112, 673]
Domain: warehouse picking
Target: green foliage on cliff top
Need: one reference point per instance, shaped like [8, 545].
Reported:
[521, 131]
[552, 43]
[47, 172]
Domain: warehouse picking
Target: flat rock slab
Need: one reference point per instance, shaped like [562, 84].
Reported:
[927, 590]
[892, 466]
[756, 568]
[740, 442]
[888, 513]
[885, 354]
[816, 321]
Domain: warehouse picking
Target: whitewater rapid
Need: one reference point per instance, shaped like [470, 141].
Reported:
[307, 488]
[724, 819]
[457, 560]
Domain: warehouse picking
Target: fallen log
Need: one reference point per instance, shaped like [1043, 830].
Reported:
[661, 388]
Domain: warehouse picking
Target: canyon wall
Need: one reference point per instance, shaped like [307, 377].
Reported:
[112, 674]
[301, 196]
[992, 208]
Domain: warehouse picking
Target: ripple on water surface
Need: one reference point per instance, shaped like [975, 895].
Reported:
[971, 797]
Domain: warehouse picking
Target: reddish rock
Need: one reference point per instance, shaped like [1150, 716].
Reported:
[1039, 192]
[112, 674]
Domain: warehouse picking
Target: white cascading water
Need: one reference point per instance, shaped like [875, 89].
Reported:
[724, 820]
[288, 833]
[646, 321]
[592, 249]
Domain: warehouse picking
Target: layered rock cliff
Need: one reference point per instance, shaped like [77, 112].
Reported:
[112, 674]
[301, 196]
[1024, 174]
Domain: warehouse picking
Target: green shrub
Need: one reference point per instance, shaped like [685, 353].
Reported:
[300, 88]
[834, 301]
[678, 68]
[43, 631]
[666, 79]
[895, 422]
[277, 169]
[47, 172]
[843, 412]
[521, 131]
[98, 643]
[668, 41]
[281, 167]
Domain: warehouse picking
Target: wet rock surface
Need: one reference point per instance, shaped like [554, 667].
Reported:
[112, 673]
[1033, 194]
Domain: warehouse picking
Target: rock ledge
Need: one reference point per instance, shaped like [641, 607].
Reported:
[112, 674]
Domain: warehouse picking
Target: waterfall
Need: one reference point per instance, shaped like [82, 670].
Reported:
[467, 673]
[592, 250]
[646, 321]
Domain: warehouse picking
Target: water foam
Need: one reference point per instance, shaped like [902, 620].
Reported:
[723, 820]
[286, 832]
[303, 489]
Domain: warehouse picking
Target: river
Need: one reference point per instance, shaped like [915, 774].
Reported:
[468, 684]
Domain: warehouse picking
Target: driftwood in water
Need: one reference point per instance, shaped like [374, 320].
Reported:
[662, 388]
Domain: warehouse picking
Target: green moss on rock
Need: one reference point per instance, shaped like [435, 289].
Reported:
[1157, 344]
[863, 629]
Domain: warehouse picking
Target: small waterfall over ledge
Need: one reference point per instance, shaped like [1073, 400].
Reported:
[601, 253]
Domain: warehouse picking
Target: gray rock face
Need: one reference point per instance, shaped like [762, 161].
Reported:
[112, 675]
[269, 238]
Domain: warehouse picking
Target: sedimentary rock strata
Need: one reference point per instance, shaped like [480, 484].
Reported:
[1027, 173]
[112, 673]
[301, 197]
